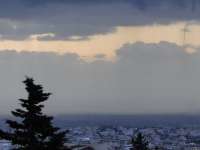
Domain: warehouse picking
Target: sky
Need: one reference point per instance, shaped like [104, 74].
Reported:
[102, 56]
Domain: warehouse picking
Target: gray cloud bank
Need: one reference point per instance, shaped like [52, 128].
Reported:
[65, 18]
[146, 78]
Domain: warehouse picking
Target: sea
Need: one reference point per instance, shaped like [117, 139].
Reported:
[136, 121]
[142, 121]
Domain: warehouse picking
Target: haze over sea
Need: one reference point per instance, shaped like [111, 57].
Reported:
[139, 121]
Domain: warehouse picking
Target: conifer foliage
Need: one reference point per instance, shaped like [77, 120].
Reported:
[139, 142]
[33, 130]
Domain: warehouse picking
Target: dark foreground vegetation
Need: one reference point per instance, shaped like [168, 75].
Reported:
[34, 130]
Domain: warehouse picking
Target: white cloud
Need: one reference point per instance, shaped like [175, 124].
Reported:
[40, 36]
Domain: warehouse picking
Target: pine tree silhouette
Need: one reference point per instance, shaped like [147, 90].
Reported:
[139, 142]
[33, 130]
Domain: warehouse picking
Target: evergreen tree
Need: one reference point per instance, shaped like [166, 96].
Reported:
[33, 130]
[159, 148]
[139, 142]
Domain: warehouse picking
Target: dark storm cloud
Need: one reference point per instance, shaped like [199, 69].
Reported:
[146, 78]
[31, 6]
[87, 17]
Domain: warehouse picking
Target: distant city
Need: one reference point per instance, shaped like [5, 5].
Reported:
[114, 132]
[118, 138]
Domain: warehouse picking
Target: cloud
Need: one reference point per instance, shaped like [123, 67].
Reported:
[155, 45]
[183, 34]
[41, 36]
[145, 78]
[66, 18]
